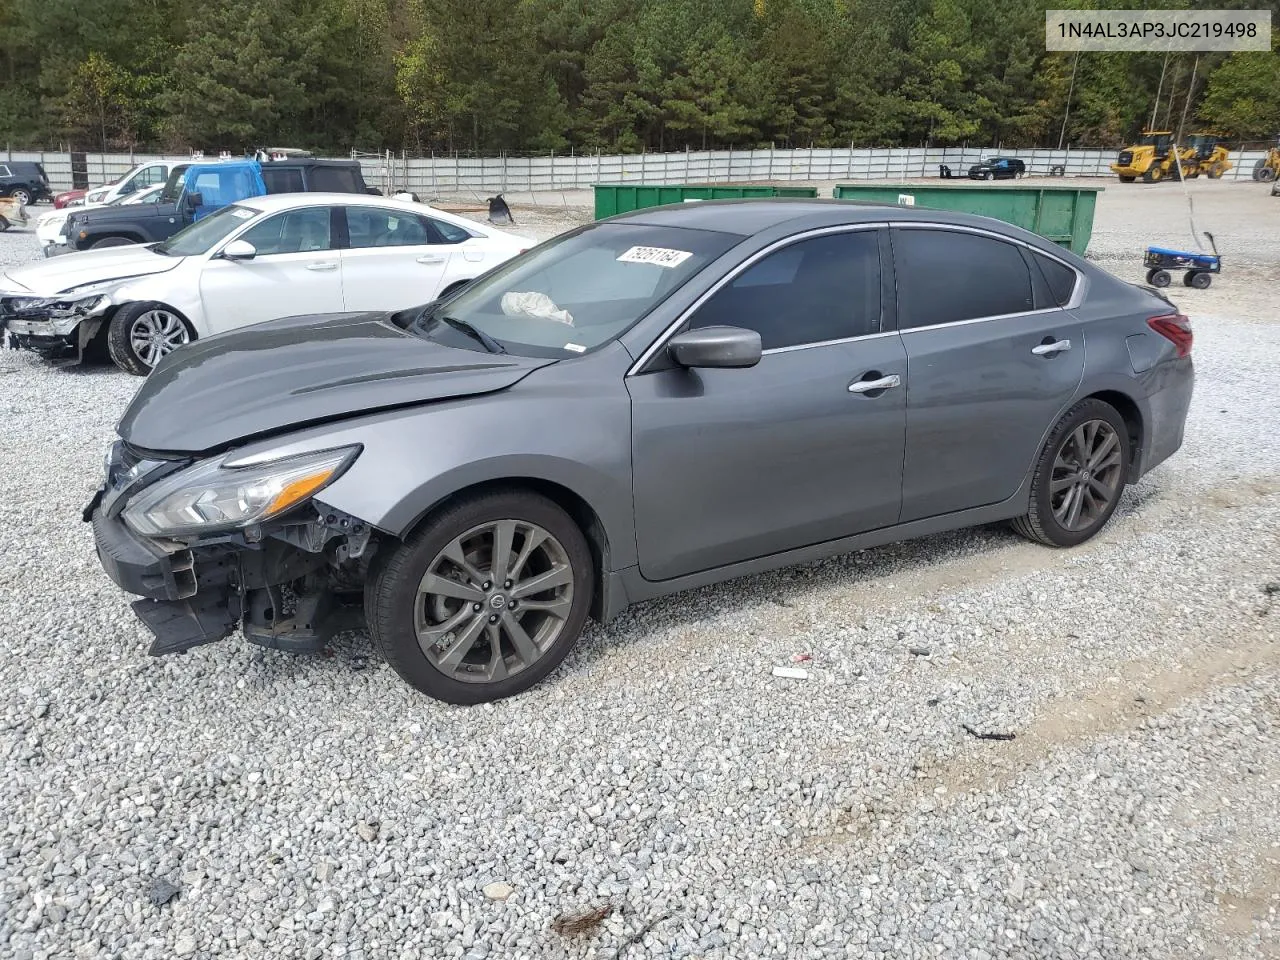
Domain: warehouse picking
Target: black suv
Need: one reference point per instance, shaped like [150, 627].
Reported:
[117, 226]
[24, 181]
[997, 168]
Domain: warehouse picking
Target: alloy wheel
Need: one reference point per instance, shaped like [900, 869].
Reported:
[1086, 475]
[493, 601]
[155, 334]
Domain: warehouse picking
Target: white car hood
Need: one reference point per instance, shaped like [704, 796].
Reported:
[59, 274]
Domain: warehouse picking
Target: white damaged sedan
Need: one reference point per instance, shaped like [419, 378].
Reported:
[258, 259]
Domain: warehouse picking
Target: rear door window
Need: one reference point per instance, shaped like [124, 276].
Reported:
[333, 180]
[945, 276]
[378, 227]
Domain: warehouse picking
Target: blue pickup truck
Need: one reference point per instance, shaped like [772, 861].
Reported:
[196, 189]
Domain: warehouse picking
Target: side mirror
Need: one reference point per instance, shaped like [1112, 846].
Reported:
[239, 250]
[193, 200]
[716, 347]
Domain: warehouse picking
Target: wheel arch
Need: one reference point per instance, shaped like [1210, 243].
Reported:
[153, 302]
[573, 503]
[1131, 413]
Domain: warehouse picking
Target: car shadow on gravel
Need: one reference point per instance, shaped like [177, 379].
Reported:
[923, 565]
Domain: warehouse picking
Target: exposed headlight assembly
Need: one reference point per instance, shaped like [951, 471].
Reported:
[62, 307]
[216, 495]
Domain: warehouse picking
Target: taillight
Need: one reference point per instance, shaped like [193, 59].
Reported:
[1176, 328]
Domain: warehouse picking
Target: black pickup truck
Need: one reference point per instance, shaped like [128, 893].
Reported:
[179, 206]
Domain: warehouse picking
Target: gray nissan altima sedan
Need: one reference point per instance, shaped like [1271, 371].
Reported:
[646, 404]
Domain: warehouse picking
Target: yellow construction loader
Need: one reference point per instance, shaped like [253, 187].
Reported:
[1153, 159]
[1146, 158]
[1203, 153]
[1268, 168]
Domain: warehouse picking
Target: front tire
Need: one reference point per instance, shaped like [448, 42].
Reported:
[109, 242]
[1124, 179]
[1079, 477]
[140, 335]
[483, 601]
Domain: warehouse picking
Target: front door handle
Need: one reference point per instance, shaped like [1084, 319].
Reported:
[1047, 349]
[431, 259]
[327, 265]
[871, 386]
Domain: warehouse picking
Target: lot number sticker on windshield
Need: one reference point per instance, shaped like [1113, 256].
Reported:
[660, 256]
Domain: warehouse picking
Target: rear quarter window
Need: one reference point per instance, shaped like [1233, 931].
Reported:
[1060, 279]
[334, 180]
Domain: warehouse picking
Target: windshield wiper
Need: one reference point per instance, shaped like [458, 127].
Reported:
[490, 344]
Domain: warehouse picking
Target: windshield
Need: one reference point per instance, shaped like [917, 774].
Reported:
[570, 295]
[203, 235]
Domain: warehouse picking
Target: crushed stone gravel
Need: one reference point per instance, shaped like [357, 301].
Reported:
[238, 802]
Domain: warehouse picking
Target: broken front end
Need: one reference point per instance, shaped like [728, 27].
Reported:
[58, 328]
[218, 544]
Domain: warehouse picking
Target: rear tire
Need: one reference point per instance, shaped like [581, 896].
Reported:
[1079, 477]
[1161, 278]
[1124, 179]
[1153, 175]
[21, 194]
[1200, 280]
[1266, 174]
[140, 335]
[1216, 171]
[422, 605]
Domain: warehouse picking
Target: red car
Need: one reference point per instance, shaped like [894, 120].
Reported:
[65, 199]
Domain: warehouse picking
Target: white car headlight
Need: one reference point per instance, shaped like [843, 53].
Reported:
[62, 307]
[214, 495]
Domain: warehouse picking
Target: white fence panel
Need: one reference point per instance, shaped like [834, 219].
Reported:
[447, 174]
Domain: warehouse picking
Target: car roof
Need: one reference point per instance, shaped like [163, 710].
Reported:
[273, 202]
[286, 201]
[746, 217]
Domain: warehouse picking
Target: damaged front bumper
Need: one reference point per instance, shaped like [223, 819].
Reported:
[281, 584]
[58, 337]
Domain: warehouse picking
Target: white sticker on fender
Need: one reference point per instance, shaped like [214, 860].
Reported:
[660, 256]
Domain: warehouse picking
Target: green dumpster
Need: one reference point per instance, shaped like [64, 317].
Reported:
[613, 198]
[1063, 214]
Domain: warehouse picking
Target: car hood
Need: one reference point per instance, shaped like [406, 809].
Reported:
[291, 373]
[61, 274]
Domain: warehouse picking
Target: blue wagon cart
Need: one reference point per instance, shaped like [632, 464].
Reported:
[1199, 267]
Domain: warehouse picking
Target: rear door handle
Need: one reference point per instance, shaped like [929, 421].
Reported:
[871, 386]
[431, 259]
[327, 265]
[1046, 349]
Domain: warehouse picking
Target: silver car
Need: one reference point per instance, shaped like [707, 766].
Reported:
[648, 404]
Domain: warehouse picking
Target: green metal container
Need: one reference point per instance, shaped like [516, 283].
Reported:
[612, 199]
[1063, 214]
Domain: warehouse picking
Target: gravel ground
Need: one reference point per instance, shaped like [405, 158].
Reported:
[313, 807]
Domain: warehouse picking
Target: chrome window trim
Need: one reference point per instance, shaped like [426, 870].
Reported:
[1077, 292]
[660, 341]
[830, 343]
